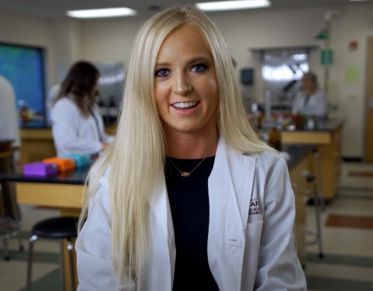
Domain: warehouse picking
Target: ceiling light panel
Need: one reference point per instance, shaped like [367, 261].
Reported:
[102, 13]
[232, 5]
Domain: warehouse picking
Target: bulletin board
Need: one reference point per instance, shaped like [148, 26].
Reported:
[23, 67]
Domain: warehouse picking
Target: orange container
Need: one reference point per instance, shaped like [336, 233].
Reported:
[63, 164]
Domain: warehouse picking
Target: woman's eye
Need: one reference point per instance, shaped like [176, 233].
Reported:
[199, 68]
[161, 73]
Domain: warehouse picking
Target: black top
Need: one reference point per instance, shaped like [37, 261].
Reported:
[189, 203]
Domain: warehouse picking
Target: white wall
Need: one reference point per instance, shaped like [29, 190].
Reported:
[60, 38]
[355, 24]
[111, 40]
[27, 30]
[66, 42]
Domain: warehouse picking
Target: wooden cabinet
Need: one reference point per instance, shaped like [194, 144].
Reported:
[328, 143]
[330, 164]
[298, 180]
[36, 145]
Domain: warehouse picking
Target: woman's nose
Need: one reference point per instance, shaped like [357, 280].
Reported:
[182, 84]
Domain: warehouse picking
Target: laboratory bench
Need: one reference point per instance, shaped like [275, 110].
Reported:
[36, 143]
[326, 137]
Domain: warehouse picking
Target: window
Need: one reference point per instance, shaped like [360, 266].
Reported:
[281, 70]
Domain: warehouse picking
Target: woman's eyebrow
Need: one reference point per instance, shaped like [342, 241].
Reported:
[191, 61]
[199, 59]
[162, 64]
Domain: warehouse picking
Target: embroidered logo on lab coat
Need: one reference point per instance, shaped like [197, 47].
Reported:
[254, 207]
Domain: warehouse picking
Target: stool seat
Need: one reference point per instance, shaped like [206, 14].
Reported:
[63, 228]
[56, 228]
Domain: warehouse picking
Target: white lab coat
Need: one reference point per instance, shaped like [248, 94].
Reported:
[74, 133]
[51, 99]
[316, 105]
[250, 240]
[9, 129]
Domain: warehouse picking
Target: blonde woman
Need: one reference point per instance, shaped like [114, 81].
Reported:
[187, 197]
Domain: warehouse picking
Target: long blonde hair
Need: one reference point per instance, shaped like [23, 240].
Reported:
[136, 157]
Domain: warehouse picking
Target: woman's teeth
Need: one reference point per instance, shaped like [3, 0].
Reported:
[184, 105]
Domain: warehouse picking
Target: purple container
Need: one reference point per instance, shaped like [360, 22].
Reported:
[40, 169]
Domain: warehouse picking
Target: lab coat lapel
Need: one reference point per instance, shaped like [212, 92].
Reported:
[230, 188]
[160, 207]
[159, 271]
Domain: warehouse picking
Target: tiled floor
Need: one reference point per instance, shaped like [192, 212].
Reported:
[348, 261]
[46, 274]
[347, 265]
[350, 221]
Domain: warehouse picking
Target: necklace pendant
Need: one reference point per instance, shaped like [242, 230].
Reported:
[185, 174]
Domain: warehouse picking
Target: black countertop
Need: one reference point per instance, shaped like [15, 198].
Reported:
[78, 177]
[297, 153]
[321, 125]
[34, 124]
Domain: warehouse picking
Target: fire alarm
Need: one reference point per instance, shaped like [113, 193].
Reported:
[353, 45]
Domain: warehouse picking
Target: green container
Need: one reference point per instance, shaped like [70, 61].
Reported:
[326, 57]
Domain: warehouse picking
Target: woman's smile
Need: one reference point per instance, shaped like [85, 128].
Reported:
[185, 108]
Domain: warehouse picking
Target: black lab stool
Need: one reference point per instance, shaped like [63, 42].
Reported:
[58, 228]
[314, 181]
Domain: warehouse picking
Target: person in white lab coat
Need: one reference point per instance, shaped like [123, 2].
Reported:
[310, 101]
[9, 131]
[187, 197]
[77, 125]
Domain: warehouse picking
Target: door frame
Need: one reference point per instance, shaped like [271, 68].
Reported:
[368, 59]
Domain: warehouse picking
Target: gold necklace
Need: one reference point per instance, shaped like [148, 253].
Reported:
[186, 174]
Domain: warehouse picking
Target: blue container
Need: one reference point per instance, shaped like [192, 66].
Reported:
[80, 160]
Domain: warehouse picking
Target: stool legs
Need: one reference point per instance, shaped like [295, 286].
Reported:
[319, 203]
[318, 207]
[319, 180]
[70, 249]
[312, 181]
[5, 243]
[32, 240]
[11, 229]
[20, 242]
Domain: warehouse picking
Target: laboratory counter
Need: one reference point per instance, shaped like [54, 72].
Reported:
[326, 137]
[329, 124]
[295, 154]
